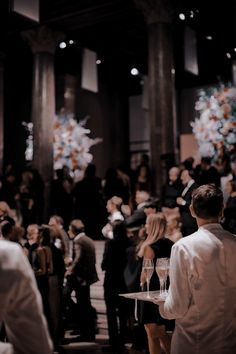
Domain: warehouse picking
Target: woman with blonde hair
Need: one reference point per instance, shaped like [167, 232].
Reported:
[155, 246]
[6, 213]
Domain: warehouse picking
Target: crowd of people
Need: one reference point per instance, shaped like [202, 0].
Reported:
[135, 226]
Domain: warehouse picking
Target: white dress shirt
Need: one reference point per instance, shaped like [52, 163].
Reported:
[107, 229]
[189, 184]
[202, 293]
[20, 303]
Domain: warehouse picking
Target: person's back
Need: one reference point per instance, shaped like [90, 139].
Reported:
[86, 266]
[209, 315]
[203, 282]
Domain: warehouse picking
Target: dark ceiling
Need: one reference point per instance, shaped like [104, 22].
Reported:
[116, 30]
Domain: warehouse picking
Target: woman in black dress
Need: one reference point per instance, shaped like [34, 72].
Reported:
[155, 246]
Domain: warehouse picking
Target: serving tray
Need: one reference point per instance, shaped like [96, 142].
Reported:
[143, 295]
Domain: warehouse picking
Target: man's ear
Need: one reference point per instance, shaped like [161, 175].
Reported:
[221, 213]
[192, 211]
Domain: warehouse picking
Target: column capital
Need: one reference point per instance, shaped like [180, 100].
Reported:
[43, 39]
[156, 11]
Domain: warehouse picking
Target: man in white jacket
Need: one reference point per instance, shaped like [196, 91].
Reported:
[20, 303]
[202, 293]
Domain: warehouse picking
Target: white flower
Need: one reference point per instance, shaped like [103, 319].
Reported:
[216, 119]
[72, 144]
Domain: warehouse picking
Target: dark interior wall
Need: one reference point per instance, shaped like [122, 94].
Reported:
[17, 100]
[108, 119]
[186, 107]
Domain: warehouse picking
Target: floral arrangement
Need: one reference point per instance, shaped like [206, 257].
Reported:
[29, 140]
[215, 125]
[71, 144]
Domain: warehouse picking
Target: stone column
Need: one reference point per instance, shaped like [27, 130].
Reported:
[43, 43]
[1, 110]
[158, 16]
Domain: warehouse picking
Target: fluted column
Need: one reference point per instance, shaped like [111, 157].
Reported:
[43, 43]
[1, 110]
[158, 16]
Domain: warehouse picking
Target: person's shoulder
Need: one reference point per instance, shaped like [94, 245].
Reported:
[229, 235]
[82, 238]
[11, 254]
[186, 241]
[9, 247]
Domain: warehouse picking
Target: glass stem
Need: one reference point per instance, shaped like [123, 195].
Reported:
[148, 295]
[164, 286]
[136, 310]
[161, 286]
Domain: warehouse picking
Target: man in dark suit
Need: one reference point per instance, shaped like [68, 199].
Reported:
[82, 273]
[138, 218]
[189, 224]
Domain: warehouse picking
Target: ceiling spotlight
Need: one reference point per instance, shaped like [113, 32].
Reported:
[172, 71]
[182, 17]
[235, 49]
[98, 61]
[228, 55]
[134, 72]
[71, 41]
[191, 14]
[209, 38]
[62, 45]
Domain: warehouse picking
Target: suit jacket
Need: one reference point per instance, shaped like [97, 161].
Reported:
[85, 259]
[137, 219]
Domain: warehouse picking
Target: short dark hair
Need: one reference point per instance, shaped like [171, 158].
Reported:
[6, 228]
[207, 201]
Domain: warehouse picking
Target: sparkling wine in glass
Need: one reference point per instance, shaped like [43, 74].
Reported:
[162, 269]
[148, 269]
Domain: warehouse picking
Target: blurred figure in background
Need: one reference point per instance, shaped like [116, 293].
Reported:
[155, 246]
[81, 274]
[172, 189]
[21, 305]
[143, 175]
[189, 224]
[89, 202]
[113, 263]
[229, 221]
[61, 237]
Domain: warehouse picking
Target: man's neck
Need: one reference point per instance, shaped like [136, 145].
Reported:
[201, 222]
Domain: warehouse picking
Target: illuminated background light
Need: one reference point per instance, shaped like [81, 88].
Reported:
[62, 45]
[134, 71]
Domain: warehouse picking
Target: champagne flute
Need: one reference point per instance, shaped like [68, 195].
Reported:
[148, 269]
[162, 269]
[167, 265]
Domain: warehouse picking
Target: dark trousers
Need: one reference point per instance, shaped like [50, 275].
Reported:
[85, 312]
[116, 317]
